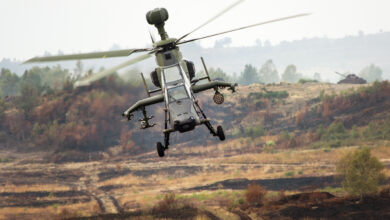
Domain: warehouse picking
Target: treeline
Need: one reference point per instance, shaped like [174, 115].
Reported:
[43, 111]
[268, 73]
[43, 80]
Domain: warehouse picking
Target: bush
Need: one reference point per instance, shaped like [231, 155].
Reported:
[269, 147]
[255, 194]
[377, 130]
[171, 207]
[289, 173]
[335, 132]
[361, 172]
[268, 94]
[255, 131]
[303, 81]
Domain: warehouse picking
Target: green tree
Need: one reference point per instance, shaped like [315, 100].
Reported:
[9, 83]
[268, 72]
[361, 172]
[3, 107]
[32, 80]
[371, 73]
[218, 73]
[290, 74]
[335, 131]
[46, 77]
[249, 75]
[317, 76]
[28, 99]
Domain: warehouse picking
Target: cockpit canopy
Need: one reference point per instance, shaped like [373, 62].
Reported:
[177, 93]
[172, 75]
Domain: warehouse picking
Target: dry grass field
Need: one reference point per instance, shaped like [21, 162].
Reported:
[210, 177]
[92, 188]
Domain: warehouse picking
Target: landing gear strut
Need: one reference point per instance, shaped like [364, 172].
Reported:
[219, 132]
[161, 148]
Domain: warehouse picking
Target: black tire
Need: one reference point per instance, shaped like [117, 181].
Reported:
[220, 133]
[160, 149]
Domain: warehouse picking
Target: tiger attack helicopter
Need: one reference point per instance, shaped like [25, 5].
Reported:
[174, 78]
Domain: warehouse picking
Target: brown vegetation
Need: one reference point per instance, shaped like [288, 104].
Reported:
[255, 194]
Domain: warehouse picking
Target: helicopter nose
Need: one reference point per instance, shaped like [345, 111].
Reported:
[184, 125]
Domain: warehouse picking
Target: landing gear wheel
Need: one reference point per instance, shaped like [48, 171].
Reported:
[160, 149]
[220, 133]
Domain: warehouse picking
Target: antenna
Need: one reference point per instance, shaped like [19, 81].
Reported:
[205, 69]
[146, 87]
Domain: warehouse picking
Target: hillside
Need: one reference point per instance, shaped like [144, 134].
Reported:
[72, 155]
[88, 121]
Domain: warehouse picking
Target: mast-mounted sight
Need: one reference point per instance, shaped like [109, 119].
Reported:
[157, 17]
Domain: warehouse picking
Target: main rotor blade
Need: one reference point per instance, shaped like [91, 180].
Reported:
[245, 27]
[107, 72]
[93, 55]
[152, 37]
[212, 19]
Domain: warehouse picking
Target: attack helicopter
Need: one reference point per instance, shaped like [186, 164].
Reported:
[174, 77]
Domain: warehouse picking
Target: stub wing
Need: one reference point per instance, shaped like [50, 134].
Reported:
[214, 85]
[143, 103]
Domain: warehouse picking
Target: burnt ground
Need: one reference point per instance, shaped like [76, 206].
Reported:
[298, 184]
[372, 207]
[314, 205]
[42, 198]
[45, 198]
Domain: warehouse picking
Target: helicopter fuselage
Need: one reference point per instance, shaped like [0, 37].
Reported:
[179, 99]
[174, 78]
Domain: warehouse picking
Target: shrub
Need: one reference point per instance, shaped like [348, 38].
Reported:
[301, 116]
[255, 131]
[361, 172]
[268, 95]
[255, 194]
[289, 173]
[303, 81]
[171, 207]
[377, 130]
[168, 202]
[269, 147]
[336, 131]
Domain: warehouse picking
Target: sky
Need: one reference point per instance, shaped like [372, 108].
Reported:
[31, 27]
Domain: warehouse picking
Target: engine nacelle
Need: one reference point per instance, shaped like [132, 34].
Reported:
[191, 68]
[155, 80]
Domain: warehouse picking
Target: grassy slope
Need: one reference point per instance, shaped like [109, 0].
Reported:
[139, 181]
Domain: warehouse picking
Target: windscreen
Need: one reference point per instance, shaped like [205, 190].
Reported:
[177, 93]
[172, 74]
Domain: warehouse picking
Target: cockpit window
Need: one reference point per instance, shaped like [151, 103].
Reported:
[177, 93]
[172, 74]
